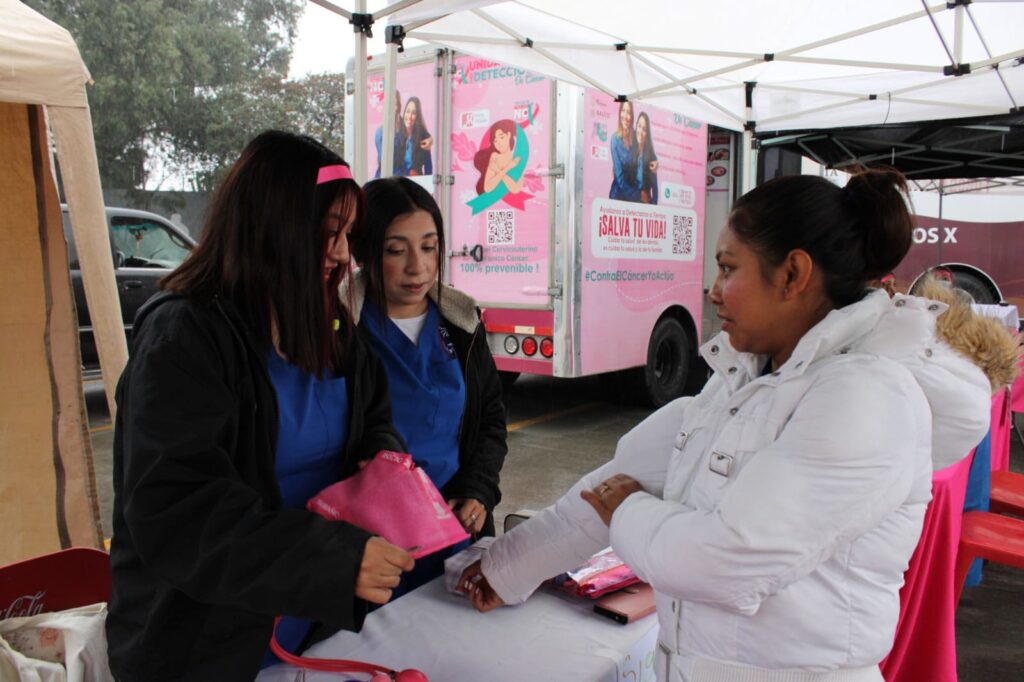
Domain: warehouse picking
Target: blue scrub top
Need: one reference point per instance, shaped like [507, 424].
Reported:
[624, 182]
[428, 391]
[313, 416]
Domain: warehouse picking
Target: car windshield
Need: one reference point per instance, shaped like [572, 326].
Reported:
[145, 243]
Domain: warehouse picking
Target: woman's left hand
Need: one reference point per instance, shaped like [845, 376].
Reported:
[609, 494]
[427, 143]
[471, 513]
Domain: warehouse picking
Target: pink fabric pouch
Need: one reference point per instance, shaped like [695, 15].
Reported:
[395, 499]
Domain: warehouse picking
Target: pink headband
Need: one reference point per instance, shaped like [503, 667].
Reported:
[331, 173]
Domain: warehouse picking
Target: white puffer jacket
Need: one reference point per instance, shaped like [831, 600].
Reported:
[780, 511]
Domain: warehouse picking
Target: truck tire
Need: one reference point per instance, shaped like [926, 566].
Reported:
[668, 363]
[975, 286]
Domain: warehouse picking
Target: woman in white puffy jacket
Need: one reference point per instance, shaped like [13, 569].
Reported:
[775, 513]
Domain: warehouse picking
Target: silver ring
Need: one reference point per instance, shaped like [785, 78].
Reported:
[472, 517]
[603, 489]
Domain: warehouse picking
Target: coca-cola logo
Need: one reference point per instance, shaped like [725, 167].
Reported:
[26, 605]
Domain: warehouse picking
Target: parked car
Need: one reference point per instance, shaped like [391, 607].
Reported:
[144, 247]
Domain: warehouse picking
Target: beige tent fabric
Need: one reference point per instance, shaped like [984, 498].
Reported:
[47, 493]
[48, 498]
[40, 64]
[39, 61]
[72, 129]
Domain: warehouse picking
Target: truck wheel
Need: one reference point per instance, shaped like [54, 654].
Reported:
[975, 286]
[668, 363]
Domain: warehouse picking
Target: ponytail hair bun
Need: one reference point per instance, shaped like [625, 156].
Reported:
[879, 200]
[854, 234]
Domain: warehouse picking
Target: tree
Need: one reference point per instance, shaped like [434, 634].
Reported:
[182, 81]
[318, 102]
[313, 105]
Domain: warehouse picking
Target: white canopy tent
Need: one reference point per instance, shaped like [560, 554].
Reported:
[752, 65]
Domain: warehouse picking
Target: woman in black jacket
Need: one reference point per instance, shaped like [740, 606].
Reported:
[246, 393]
[445, 391]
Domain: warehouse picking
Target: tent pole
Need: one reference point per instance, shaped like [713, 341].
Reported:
[748, 177]
[72, 132]
[958, 34]
[387, 138]
[357, 157]
[442, 172]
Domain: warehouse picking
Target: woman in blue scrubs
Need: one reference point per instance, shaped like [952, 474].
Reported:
[445, 391]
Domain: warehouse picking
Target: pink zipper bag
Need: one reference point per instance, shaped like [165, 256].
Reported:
[393, 498]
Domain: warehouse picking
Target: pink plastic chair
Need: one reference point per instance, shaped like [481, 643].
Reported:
[989, 536]
[1007, 493]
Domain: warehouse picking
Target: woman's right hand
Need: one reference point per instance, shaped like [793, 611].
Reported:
[381, 570]
[474, 583]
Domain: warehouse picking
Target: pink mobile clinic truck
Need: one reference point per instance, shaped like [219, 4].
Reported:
[575, 220]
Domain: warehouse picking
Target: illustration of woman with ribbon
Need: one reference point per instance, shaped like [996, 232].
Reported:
[496, 160]
[501, 162]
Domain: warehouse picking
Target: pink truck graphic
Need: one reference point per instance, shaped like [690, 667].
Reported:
[575, 220]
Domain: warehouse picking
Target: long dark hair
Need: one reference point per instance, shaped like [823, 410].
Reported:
[263, 248]
[386, 200]
[628, 136]
[646, 153]
[854, 234]
[418, 133]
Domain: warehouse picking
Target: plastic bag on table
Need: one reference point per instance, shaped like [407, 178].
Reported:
[603, 573]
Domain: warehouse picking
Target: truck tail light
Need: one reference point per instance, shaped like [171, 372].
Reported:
[547, 348]
[511, 345]
[529, 346]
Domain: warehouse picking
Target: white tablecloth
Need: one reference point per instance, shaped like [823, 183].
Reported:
[547, 638]
[1006, 314]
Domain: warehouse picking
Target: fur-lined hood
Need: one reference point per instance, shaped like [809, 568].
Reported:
[458, 308]
[982, 340]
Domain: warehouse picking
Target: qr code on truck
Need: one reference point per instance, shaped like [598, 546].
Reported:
[682, 234]
[501, 227]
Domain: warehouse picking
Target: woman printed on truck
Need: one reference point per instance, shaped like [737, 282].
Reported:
[496, 159]
[775, 513]
[246, 393]
[445, 391]
[412, 140]
[625, 186]
[647, 161]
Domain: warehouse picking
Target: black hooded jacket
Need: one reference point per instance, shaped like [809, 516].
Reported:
[203, 555]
